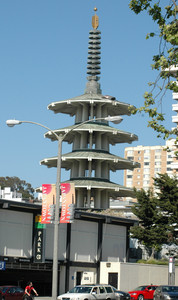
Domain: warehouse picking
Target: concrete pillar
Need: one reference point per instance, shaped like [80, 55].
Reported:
[76, 142]
[85, 112]
[104, 143]
[89, 168]
[78, 116]
[104, 199]
[80, 198]
[105, 170]
[81, 172]
[90, 140]
[74, 169]
[97, 199]
[83, 140]
[98, 169]
[88, 197]
[98, 141]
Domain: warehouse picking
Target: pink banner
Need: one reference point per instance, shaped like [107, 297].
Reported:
[48, 203]
[68, 202]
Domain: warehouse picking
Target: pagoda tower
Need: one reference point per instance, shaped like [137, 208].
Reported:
[90, 161]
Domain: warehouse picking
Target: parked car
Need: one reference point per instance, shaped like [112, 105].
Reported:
[143, 292]
[10, 292]
[166, 292]
[89, 292]
[120, 295]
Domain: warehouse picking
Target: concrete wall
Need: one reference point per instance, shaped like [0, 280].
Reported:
[15, 233]
[131, 275]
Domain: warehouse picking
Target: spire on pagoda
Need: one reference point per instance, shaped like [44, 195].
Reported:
[93, 86]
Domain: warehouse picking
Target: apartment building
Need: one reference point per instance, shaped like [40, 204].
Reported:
[153, 160]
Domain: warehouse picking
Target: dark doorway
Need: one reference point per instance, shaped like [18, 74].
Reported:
[78, 278]
[113, 279]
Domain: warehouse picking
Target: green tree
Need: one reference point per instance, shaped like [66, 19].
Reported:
[151, 229]
[19, 185]
[167, 196]
[163, 61]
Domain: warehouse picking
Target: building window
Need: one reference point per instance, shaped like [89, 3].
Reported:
[129, 176]
[130, 157]
[138, 170]
[146, 163]
[130, 152]
[157, 169]
[158, 150]
[169, 169]
[158, 163]
[157, 156]
[147, 151]
[146, 176]
[146, 182]
[138, 176]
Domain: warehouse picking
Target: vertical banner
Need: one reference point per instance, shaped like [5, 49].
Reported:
[39, 240]
[68, 202]
[48, 203]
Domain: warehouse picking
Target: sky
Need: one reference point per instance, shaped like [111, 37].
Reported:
[43, 59]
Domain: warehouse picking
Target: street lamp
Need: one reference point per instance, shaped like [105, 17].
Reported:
[60, 138]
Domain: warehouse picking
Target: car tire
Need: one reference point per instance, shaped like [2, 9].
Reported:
[140, 297]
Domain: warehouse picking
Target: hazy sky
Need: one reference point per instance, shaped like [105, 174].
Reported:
[43, 58]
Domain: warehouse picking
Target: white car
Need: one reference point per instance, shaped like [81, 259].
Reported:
[90, 292]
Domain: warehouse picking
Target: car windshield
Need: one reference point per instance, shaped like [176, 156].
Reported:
[140, 288]
[170, 289]
[81, 289]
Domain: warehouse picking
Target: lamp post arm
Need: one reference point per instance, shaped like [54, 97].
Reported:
[35, 123]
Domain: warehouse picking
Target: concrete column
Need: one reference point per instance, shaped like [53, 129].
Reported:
[83, 140]
[76, 142]
[98, 169]
[105, 170]
[89, 168]
[97, 199]
[84, 112]
[98, 141]
[88, 197]
[74, 169]
[98, 112]
[104, 199]
[104, 143]
[80, 198]
[91, 111]
[78, 116]
[81, 168]
[104, 113]
[90, 140]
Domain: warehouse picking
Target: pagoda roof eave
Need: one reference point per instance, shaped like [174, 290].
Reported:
[115, 162]
[69, 106]
[115, 135]
[115, 190]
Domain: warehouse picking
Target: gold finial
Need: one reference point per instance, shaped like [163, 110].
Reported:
[95, 20]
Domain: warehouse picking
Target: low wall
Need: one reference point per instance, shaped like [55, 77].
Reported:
[131, 275]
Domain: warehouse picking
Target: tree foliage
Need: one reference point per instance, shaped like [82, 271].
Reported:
[15, 183]
[157, 214]
[163, 61]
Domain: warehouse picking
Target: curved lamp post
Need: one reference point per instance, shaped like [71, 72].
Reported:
[60, 138]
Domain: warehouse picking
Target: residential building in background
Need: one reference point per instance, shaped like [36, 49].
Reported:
[153, 160]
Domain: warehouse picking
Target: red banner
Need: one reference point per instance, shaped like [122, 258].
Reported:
[48, 203]
[68, 202]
